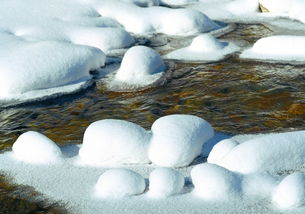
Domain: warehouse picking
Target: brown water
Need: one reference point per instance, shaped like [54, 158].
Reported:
[234, 96]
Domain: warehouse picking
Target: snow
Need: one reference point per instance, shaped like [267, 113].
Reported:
[282, 48]
[220, 150]
[157, 19]
[270, 153]
[203, 48]
[213, 182]
[290, 193]
[164, 182]
[116, 183]
[291, 8]
[112, 141]
[140, 66]
[178, 139]
[36, 148]
[85, 189]
[143, 3]
[42, 65]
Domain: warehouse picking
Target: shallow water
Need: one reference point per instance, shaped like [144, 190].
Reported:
[234, 96]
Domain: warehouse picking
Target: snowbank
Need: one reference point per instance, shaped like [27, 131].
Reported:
[157, 19]
[140, 66]
[278, 48]
[177, 139]
[33, 147]
[114, 142]
[272, 153]
[116, 183]
[143, 3]
[291, 8]
[220, 150]
[213, 182]
[164, 182]
[290, 193]
[203, 48]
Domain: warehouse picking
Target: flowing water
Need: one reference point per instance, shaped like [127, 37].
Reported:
[235, 96]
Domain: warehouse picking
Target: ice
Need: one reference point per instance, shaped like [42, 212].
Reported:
[203, 48]
[140, 66]
[164, 182]
[213, 182]
[36, 148]
[116, 183]
[269, 153]
[282, 48]
[290, 193]
[112, 141]
[157, 19]
[177, 139]
[220, 150]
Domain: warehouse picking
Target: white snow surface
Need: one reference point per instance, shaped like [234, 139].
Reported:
[291, 8]
[164, 182]
[220, 150]
[141, 66]
[36, 148]
[270, 153]
[76, 186]
[156, 19]
[143, 3]
[204, 48]
[290, 193]
[113, 142]
[213, 182]
[284, 48]
[178, 139]
[116, 183]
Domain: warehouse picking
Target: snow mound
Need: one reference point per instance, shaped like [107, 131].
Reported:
[220, 150]
[277, 48]
[165, 182]
[290, 193]
[140, 66]
[33, 147]
[272, 153]
[116, 183]
[27, 66]
[213, 182]
[112, 141]
[203, 48]
[143, 3]
[178, 139]
[157, 19]
[176, 2]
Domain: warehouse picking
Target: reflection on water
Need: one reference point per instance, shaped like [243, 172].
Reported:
[234, 96]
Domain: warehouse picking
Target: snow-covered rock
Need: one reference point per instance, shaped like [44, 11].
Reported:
[213, 182]
[220, 150]
[165, 182]
[33, 147]
[112, 141]
[117, 183]
[27, 66]
[157, 19]
[203, 48]
[277, 48]
[290, 193]
[140, 66]
[272, 153]
[177, 139]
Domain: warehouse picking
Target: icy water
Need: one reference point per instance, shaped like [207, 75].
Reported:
[234, 96]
